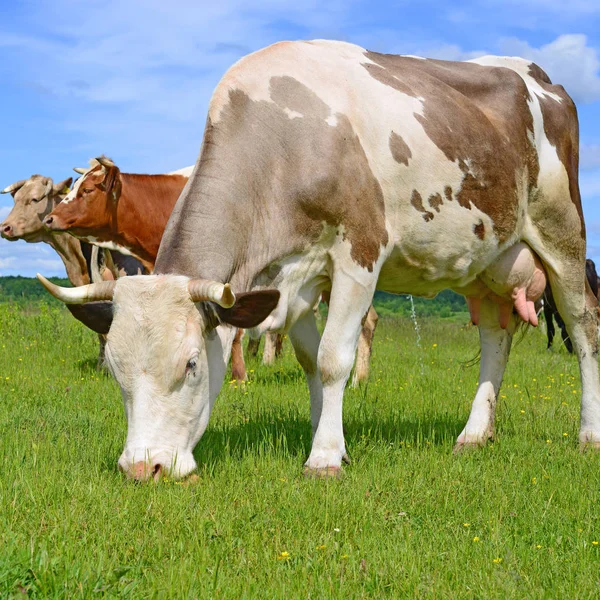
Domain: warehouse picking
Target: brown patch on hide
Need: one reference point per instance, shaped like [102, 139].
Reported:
[435, 201]
[417, 202]
[286, 179]
[448, 193]
[561, 127]
[479, 230]
[479, 117]
[399, 148]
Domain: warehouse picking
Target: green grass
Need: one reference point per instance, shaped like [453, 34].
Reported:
[400, 523]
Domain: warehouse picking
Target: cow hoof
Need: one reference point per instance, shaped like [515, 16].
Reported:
[466, 446]
[589, 446]
[346, 459]
[323, 473]
[462, 447]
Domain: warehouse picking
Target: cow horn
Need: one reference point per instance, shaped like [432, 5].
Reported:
[105, 162]
[81, 294]
[14, 187]
[80, 170]
[203, 289]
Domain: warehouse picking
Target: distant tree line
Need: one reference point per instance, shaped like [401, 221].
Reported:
[446, 304]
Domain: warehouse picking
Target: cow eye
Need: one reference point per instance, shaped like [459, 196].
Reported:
[191, 366]
[87, 190]
[35, 199]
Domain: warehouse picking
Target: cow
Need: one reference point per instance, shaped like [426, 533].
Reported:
[129, 212]
[34, 199]
[551, 312]
[327, 167]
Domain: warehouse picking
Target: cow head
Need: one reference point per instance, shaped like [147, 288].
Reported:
[92, 203]
[168, 349]
[34, 198]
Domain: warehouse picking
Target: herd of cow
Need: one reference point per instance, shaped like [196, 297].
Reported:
[325, 171]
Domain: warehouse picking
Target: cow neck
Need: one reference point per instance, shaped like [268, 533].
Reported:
[215, 240]
[69, 250]
[142, 211]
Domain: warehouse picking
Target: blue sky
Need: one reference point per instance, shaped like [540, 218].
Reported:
[132, 79]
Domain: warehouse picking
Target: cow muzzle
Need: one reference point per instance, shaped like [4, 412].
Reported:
[142, 465]
[52, 223]
[7, 231]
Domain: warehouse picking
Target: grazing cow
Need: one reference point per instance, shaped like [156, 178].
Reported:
[328, 167]
[551, 313]
[129, 212]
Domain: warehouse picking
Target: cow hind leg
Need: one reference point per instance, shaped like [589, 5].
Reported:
[495, 348]
[548, 315]
[253, 345]
[578, 308]
[563, 332]
[365, 346]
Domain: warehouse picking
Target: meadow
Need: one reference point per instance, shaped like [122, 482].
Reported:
[517, 519]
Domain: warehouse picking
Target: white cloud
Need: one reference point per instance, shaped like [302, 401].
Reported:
[21, 258]
[568, 60]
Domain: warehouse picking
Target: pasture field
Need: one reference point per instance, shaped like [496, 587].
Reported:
[517, 519]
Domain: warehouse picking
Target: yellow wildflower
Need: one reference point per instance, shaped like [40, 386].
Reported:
[284, 556]
[497, 561]
[475, 539]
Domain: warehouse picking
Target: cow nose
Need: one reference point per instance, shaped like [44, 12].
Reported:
[143, 471]
[6, 229]
[48, 221]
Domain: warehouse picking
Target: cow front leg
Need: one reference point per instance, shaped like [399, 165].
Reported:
[495, 348]
[349, 302]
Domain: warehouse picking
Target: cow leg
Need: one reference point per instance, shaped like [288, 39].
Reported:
[563, 332]
[548, 315]
[365, 346]
[238, 366]
[253, 346]
[495, 348]
[269, 349]
[578, 308]
[279, 345]
[350, 300]
[102, 346]
[305, 338]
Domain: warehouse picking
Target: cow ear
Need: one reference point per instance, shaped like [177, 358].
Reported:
[111, 182]
[62, 187]
[250, 308]
[97, 316]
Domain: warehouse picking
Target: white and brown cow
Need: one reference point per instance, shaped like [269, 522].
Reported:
[328, 167]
